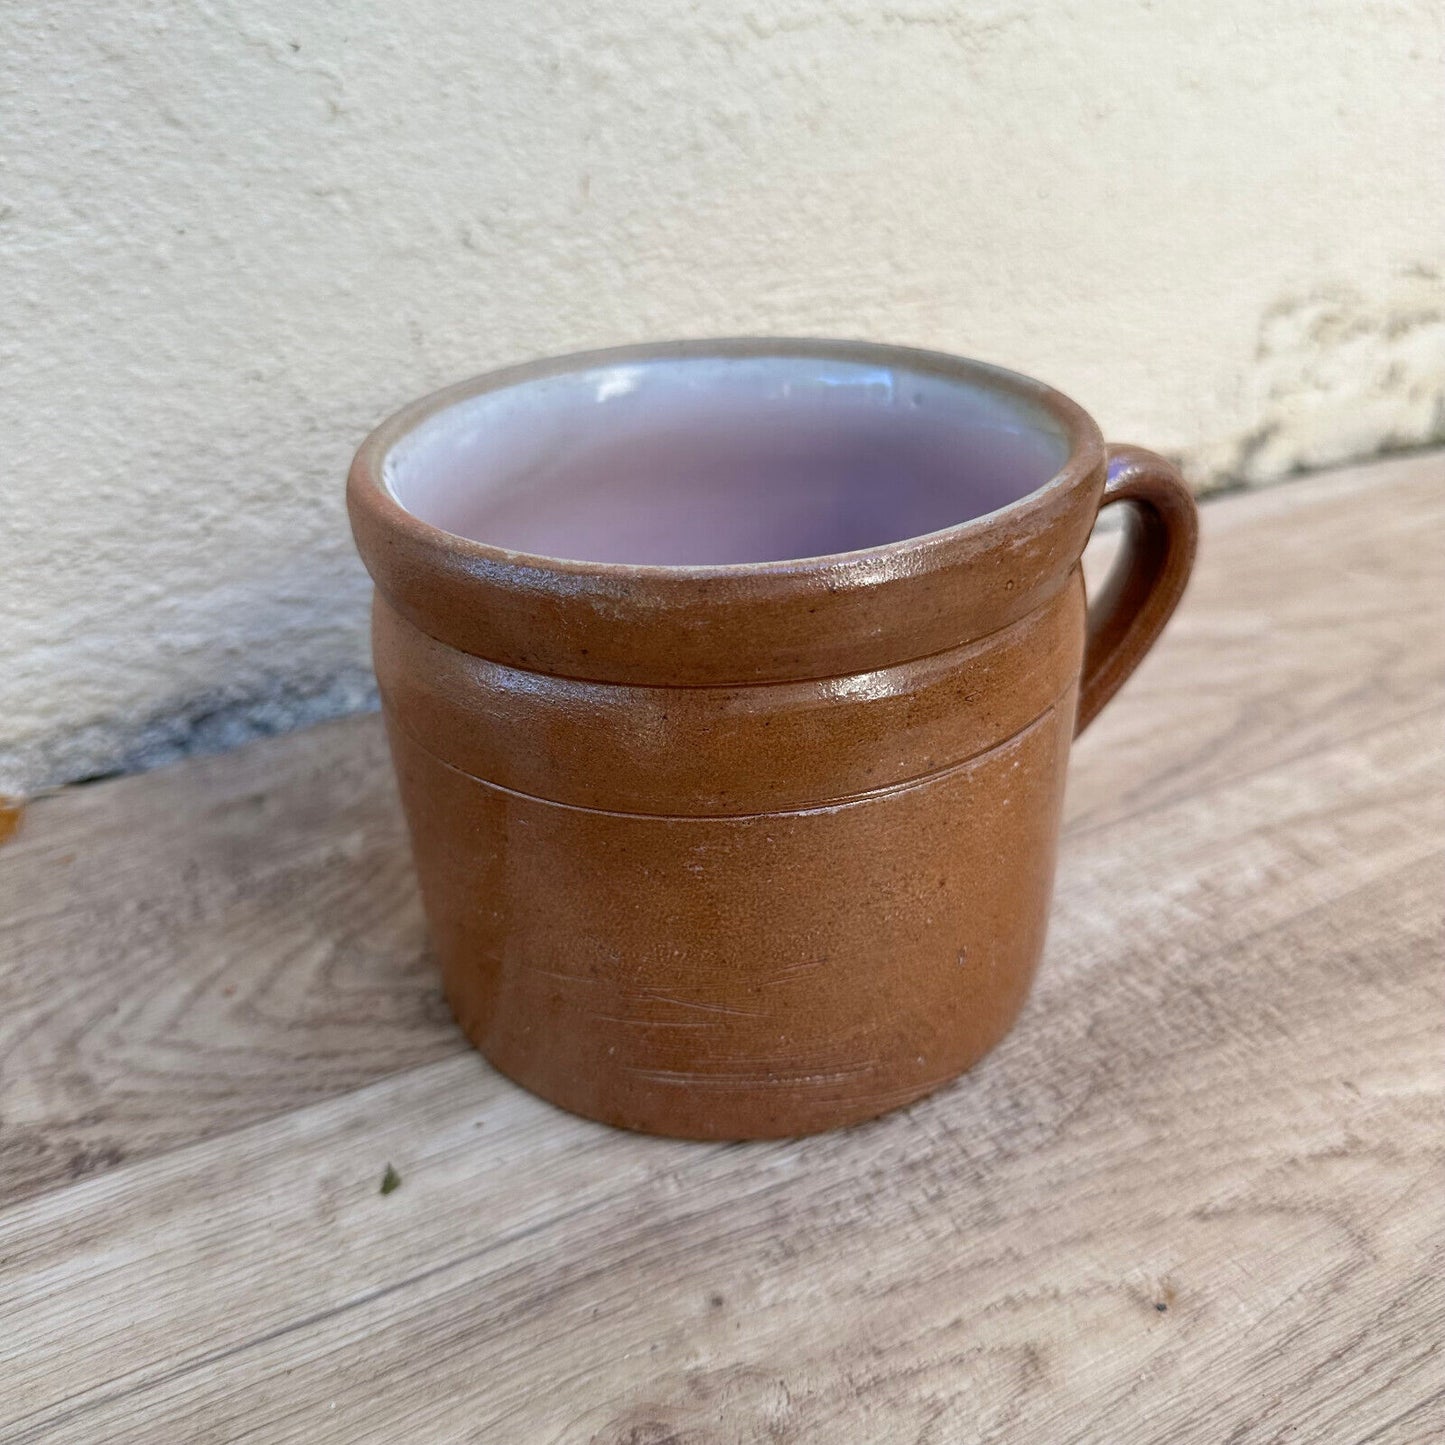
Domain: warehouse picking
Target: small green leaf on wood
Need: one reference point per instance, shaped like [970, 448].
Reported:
[390, 1180]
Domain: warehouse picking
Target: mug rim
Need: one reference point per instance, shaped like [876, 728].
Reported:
[367, 483]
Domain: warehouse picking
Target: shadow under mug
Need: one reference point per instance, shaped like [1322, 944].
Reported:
[730, 687]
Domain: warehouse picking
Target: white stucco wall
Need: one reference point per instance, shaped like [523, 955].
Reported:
[237, 232]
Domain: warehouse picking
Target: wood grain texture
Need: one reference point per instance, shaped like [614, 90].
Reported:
[186, 951]
[1225, 1098]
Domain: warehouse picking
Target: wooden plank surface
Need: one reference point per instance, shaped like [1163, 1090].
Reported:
[219, 1025]
[190, 950]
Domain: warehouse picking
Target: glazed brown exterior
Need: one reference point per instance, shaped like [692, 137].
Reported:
[758, 850]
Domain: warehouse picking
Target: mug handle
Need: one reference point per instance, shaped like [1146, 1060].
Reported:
[1161, 531]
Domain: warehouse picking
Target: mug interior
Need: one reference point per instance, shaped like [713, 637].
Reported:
[722, 460]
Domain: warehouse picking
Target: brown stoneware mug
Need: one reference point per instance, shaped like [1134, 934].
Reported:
[730, 687]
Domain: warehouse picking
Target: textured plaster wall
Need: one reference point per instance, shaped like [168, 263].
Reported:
[237, 232]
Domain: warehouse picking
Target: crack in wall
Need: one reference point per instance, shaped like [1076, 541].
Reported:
[1337, 376]
[212, 723]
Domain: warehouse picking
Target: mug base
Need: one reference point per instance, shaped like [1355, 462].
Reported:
[699, 1110]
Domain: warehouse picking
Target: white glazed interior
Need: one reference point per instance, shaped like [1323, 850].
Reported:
[721, 460]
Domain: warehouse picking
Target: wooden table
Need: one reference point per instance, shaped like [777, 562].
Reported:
[1197, 1196]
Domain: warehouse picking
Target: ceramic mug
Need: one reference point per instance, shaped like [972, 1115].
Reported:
[730, 687]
